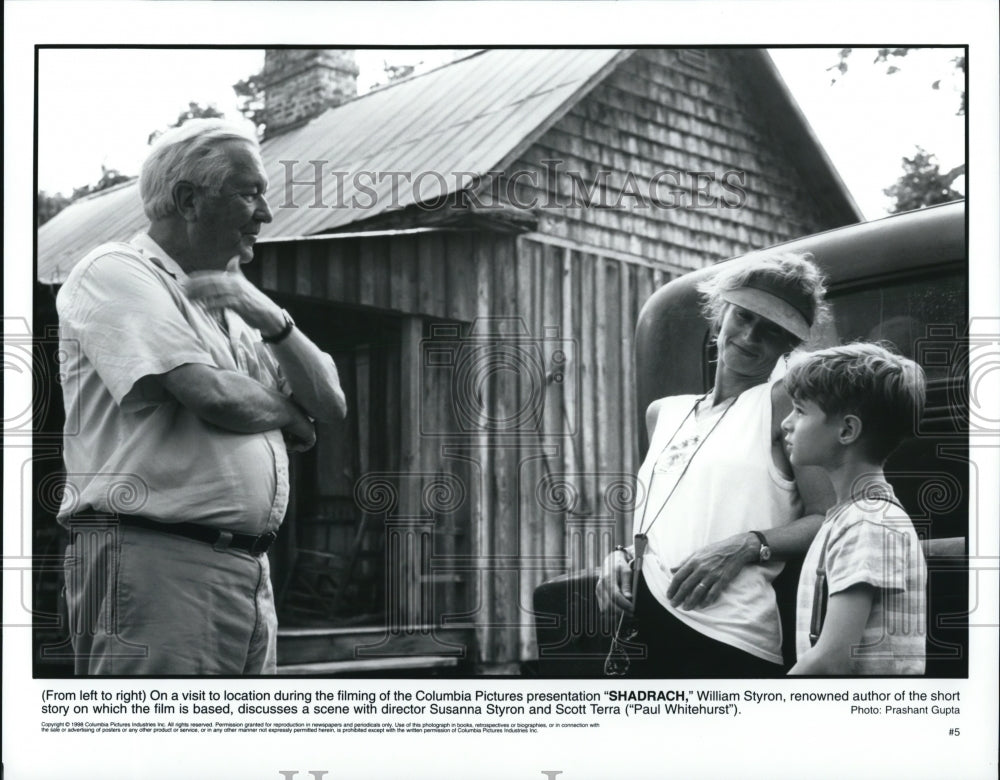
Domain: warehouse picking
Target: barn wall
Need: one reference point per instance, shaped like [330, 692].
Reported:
[670, 110]
[532, 423]
[420, 498]
[575, 500]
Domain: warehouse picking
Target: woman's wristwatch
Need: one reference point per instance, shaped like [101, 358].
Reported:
[764, 554]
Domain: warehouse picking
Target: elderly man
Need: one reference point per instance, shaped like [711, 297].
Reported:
[184, 388]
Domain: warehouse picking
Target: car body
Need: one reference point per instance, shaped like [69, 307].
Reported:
[902, 279]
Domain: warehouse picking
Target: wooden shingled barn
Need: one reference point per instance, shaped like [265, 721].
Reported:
[473, 246]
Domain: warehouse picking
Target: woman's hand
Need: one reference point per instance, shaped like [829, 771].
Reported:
[703, 575]
[614, 586]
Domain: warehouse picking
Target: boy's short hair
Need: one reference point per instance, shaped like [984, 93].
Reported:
[884, 389]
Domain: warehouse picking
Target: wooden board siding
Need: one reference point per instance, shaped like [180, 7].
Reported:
[658, 112]
[538, 491]
[428, 274]
[571, 493]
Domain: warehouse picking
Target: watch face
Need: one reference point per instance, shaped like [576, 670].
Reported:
[765, 553]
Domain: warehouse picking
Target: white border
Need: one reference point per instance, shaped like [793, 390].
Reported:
[786, 742]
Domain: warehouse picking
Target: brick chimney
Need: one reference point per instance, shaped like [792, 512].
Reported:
[300, 84]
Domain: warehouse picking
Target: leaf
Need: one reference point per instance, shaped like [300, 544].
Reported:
[922, 183]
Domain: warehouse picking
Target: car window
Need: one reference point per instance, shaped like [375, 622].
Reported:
[906, 313]
[923, 317]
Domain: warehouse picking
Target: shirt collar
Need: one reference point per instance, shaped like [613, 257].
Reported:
[156, 254]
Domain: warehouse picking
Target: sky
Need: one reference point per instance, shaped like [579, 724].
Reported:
[108, 101]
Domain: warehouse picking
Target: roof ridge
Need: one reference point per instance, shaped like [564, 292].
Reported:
[107, 190]
[413, 76]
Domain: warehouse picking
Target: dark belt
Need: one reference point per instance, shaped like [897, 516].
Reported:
[220, 540]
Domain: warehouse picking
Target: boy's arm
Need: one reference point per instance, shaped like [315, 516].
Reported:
[846, 616]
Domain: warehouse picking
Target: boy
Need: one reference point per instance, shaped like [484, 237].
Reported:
[862, 593]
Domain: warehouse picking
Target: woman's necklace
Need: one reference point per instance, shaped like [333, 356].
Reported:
[642, 535]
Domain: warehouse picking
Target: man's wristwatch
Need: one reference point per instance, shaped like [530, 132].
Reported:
[282, 334]
[764, 554]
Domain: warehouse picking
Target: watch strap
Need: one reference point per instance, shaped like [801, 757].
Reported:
[282, 334]
[763, 546]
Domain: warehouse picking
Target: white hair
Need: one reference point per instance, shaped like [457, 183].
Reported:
[193, 152]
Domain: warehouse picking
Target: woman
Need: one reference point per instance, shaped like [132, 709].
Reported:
[722, 504]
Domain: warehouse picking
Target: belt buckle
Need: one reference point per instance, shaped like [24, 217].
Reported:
[263, 543]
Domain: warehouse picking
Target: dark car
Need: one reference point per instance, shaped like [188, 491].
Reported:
[902, 279]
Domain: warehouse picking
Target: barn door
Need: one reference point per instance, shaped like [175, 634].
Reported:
[329, 568]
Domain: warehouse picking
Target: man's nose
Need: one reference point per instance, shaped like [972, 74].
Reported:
[786, 424]
[263, 212]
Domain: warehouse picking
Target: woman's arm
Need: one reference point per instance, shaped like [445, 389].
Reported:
[704, 575]
[846, 617]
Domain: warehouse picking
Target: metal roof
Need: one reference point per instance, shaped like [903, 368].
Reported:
[469, 116]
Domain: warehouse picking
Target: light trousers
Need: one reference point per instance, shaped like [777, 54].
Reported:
[142, 602]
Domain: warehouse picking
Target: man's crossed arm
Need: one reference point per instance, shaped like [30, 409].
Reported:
[238, 403]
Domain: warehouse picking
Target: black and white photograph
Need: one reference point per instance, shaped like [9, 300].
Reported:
[487, 393]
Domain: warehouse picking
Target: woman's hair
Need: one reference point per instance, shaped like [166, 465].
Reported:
[884, 390]
[194, 152]
[795, 269]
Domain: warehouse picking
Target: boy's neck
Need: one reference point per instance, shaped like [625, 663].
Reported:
[852, 477]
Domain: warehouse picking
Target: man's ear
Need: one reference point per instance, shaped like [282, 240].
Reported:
[850, 429]
[184, 195]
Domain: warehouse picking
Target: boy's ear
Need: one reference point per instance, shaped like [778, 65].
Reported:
[850, 429]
